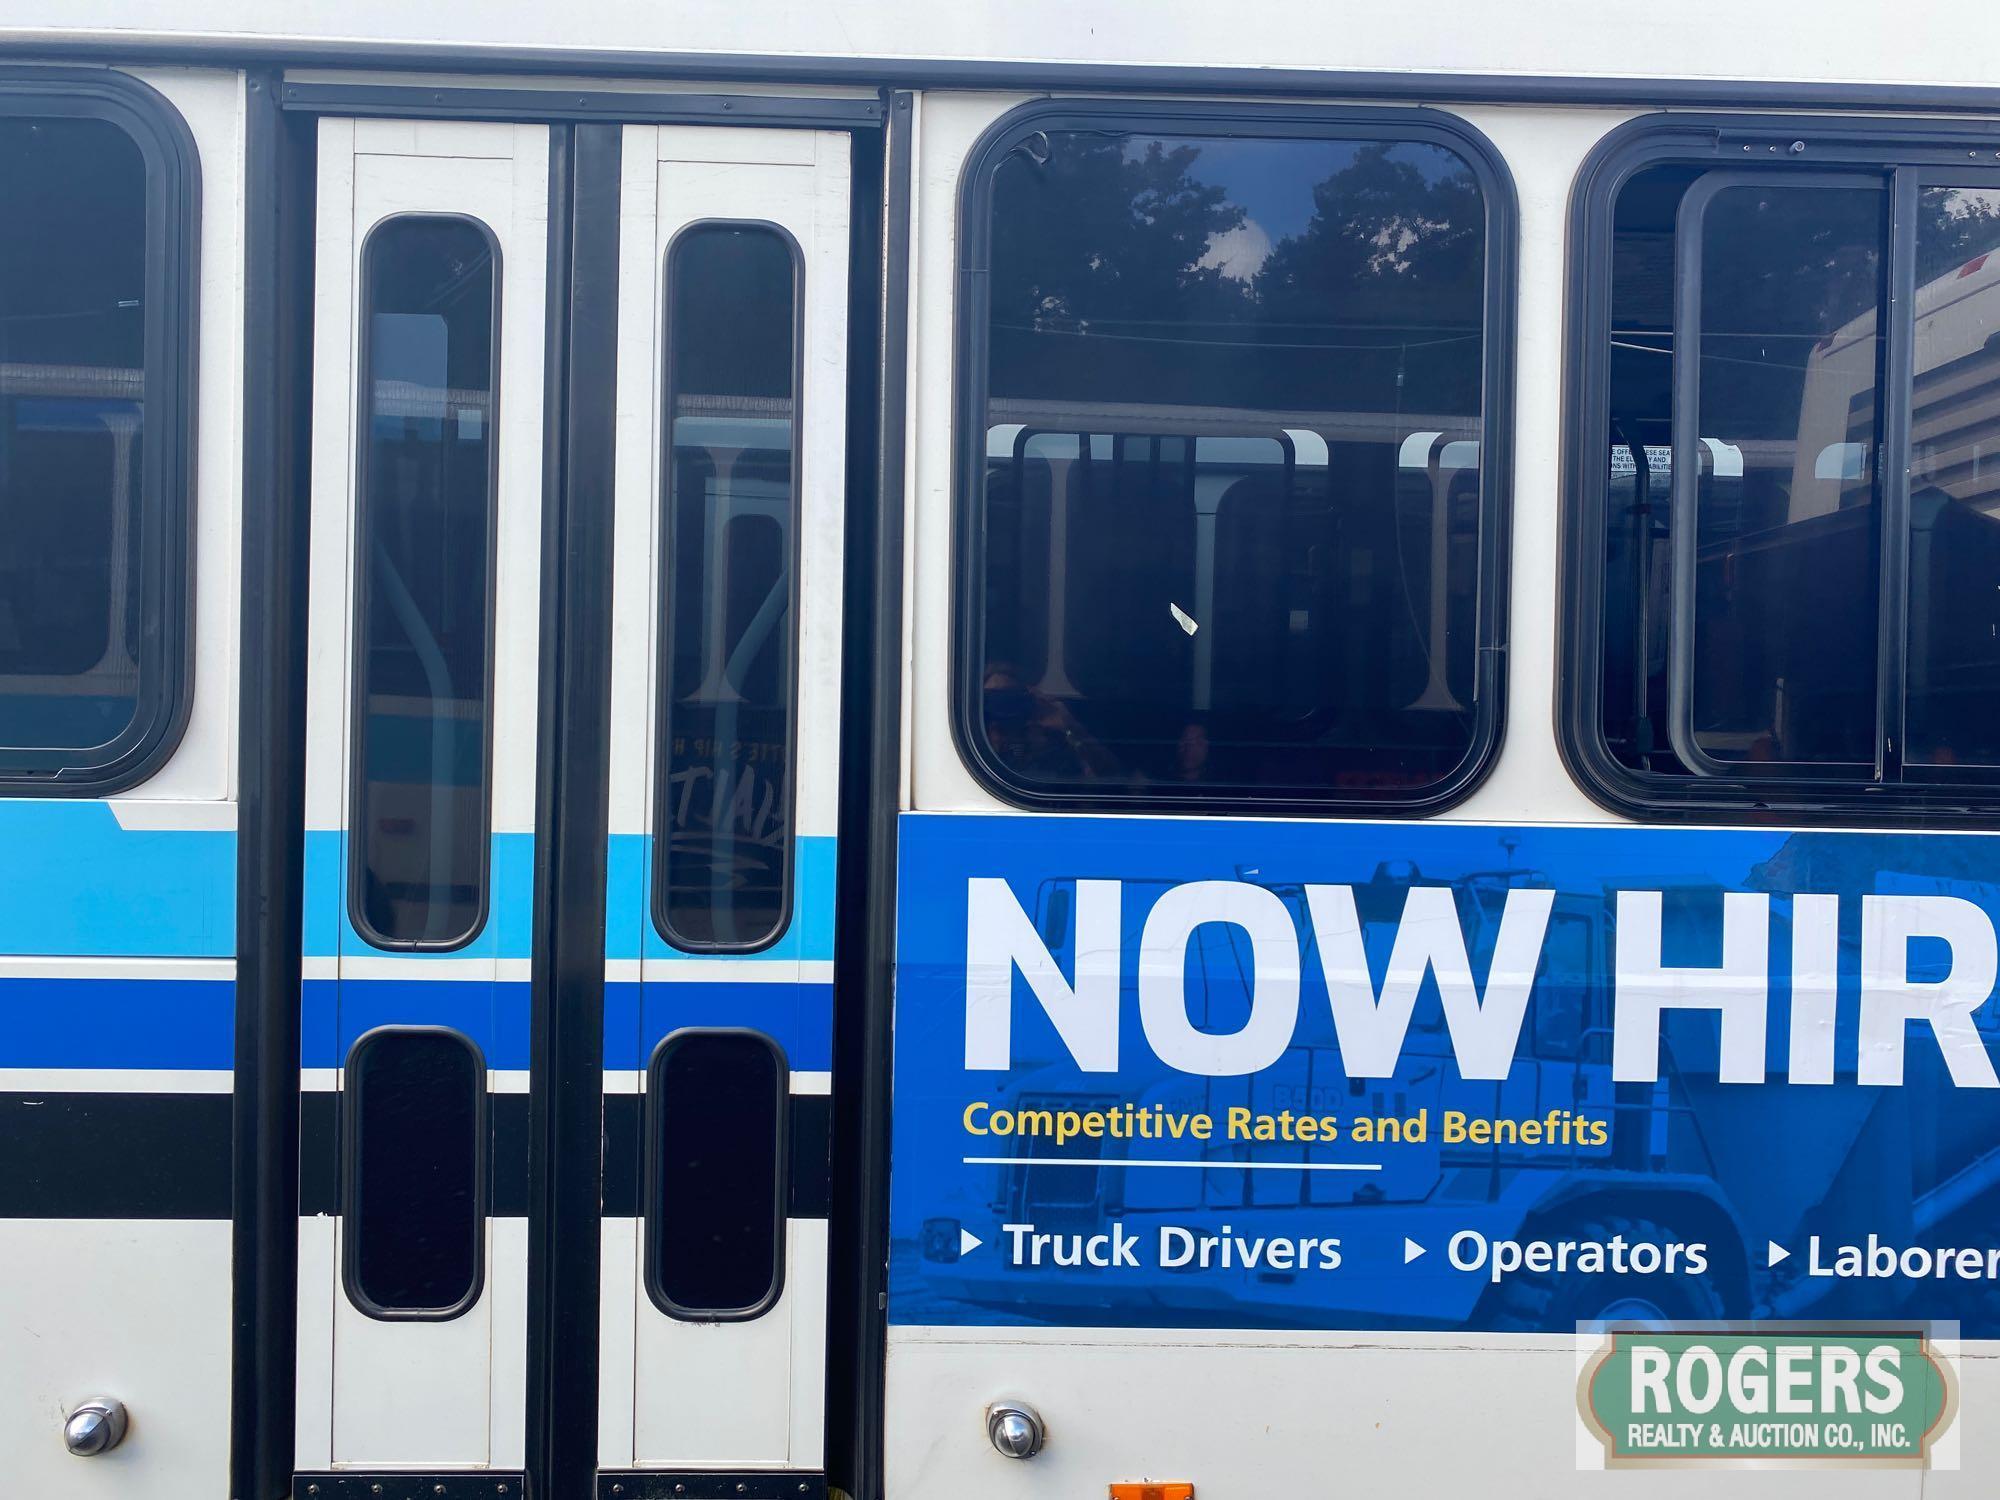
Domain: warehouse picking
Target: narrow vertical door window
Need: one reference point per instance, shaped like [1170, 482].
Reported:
[415, 1207]
[718, 1115]
[423, 660]
[723, 825]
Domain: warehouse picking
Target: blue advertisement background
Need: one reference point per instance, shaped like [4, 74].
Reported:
[1731, 1166]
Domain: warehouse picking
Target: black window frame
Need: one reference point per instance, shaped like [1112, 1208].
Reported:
[663, 561]
[362, 602]
[350, 1179]
[1413, 123]
[1902, 155]
[166, 504]
[652, 1210]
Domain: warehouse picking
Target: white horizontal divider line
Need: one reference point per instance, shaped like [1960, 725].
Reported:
[1148, 1161]
[719, 970]
[117, 1080]
[38, 967]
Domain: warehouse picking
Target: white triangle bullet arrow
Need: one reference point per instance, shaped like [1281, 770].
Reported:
[968, 1242]
[1777, 1252]
[1411, 1250]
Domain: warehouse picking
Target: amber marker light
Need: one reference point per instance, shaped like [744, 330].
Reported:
[1145, 1491]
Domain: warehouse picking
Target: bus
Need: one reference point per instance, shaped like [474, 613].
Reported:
[891, 751]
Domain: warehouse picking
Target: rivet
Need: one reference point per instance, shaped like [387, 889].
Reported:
[742, 1489]
[437, 1489]
[312, 1489]
[1798, 147]
[374, 1489]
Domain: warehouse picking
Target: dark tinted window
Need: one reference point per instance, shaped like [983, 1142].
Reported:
[92, 538]
[1786, 432]
[715, 1219]
[1797, 534]
[722, 874]
[1953, 715]
[1228, 511]
[415, 1209]
[422, 662]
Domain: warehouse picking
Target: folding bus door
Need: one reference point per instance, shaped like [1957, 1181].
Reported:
[431, 300]
[719, 944]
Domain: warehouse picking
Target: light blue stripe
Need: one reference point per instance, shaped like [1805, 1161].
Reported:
[72, 881]
[76, 883]
[506, 933]
[628, 927]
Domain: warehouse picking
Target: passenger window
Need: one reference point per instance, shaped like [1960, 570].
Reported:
[94, 398]
[722, 878]
[718, 1119]
[423, 657]
[1785, 430]
[1228, 500]
[414, 1150]
[1792, 551]
[1953, 710]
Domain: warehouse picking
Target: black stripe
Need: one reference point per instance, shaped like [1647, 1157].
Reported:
[115, 1156]
[319, 1154]
[811, 1159]
[566, 1029]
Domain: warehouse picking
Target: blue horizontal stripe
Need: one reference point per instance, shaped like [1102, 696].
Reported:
[189, 1023]
[117, 1023]
[495, 1015]
[78, 883]
[338, 1012]
[798, 1017]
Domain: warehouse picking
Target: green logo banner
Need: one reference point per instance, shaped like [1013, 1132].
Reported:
[1768, 1395]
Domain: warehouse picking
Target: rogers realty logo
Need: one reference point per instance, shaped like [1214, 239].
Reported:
[1768, 1395]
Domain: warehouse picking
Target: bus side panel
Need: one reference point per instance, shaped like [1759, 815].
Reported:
[117, 976]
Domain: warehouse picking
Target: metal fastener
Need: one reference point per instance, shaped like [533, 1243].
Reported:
[1015, 1429]
[95, 1426]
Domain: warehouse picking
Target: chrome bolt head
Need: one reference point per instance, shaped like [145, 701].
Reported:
[1015, 1429]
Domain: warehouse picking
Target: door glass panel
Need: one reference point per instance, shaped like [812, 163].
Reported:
[423, 691]
[723, 835]
[414, 1230]
[715, 1220]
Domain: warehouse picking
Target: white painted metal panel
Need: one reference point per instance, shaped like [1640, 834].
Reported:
[748, 1394]
[401, 1393]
